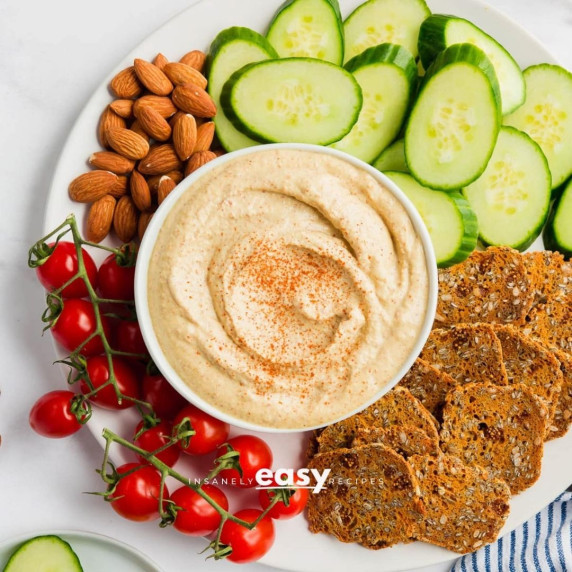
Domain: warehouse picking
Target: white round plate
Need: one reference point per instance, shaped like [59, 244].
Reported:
[95, 551]
[296, 548]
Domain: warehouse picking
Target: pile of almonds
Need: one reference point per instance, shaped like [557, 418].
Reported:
[156, 132]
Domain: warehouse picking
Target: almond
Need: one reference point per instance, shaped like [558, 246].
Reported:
[205, 135]
[123, 107]
[163, 105]
[143, 223]
[153, 124]
[138, 128]
[140, 192]
[90, 187]
[154, 180]
[196, 59]
[176, 117]
[125, 84]
[180, 73]
[197, 160]
[108, 120]
[185, 136]
[125, 219]
[192, 99]
[160, 160]
[166, 185]
[128, 143]
[110, 161]
[120, 187]
[160, 61]
[152, 77]
[99, 219]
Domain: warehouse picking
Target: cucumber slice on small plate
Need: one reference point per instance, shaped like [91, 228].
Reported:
[546, 116]
[387, 75]
[292, 100]
[232, 49]
[451, 223]
[44, 554]
[454, 124]
[308, 28]
[392, 158]
[384, 21]
[440, 31]
[512, 197]
[558, 230]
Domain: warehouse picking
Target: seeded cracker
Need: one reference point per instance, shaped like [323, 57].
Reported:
[429, 385]
[530, 363]
[498, 428]
[563, 413]
[465, 507]
[467, 352]
[405, 440]
[544, 269]
[372, 497]
[490, 286]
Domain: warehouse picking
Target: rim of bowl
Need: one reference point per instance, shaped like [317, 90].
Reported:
[148, 244]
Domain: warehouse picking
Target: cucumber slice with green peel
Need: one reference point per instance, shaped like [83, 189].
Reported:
[546, 116]
[384, 21]
[44, 554]
[308, 28]
[292, 100]
[387, 75]
[558, 230]
[232, 49]
[440, 31]
[512, 197]
[454, 124]
[392, 158]
[451, 223]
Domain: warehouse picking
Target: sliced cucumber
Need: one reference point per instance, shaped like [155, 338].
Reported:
[558, 230]
[308, 28]
[448, 217]
[392, 158]
[232, 49]
[301, 100]
[440, 31]
[384, 21]
[453, 127]
[44, 554]
[547, 116]
[387, 75]
[512, 197]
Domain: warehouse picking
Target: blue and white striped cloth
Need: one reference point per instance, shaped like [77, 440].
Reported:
[542, 544]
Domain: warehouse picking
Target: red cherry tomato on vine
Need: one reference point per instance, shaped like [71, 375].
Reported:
[197, 517]
[137, 494]
[209, 431]
[116, 282]
[248, 545]
[61, 266]
[296, 503]
[163, 398]
[51, 415]
[154, 438]
[255, 454]
[75, 324]
[98, 373]
[128, 337]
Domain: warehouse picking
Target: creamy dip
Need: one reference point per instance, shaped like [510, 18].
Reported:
[287, 287]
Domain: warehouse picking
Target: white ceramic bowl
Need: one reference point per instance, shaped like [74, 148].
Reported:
[151, 336]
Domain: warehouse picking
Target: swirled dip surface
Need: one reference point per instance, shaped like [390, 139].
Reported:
[287, 287]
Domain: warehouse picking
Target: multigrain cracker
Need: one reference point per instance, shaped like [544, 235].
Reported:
[498, 428]
[544, 269]
[406, 440]
[563, 412]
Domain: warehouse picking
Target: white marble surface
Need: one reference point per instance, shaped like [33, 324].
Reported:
[52, 56]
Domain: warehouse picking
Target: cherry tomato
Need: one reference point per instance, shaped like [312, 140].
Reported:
[61, 266]
[136, 496]
[255, 454]
[154, 438]
[296, 503]
[51, 415]
[209, 431]
[128, 337]
[197, 517]
[248, 545]
[98, 373]
[163, 398]
[75, 324]
[116, 282]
